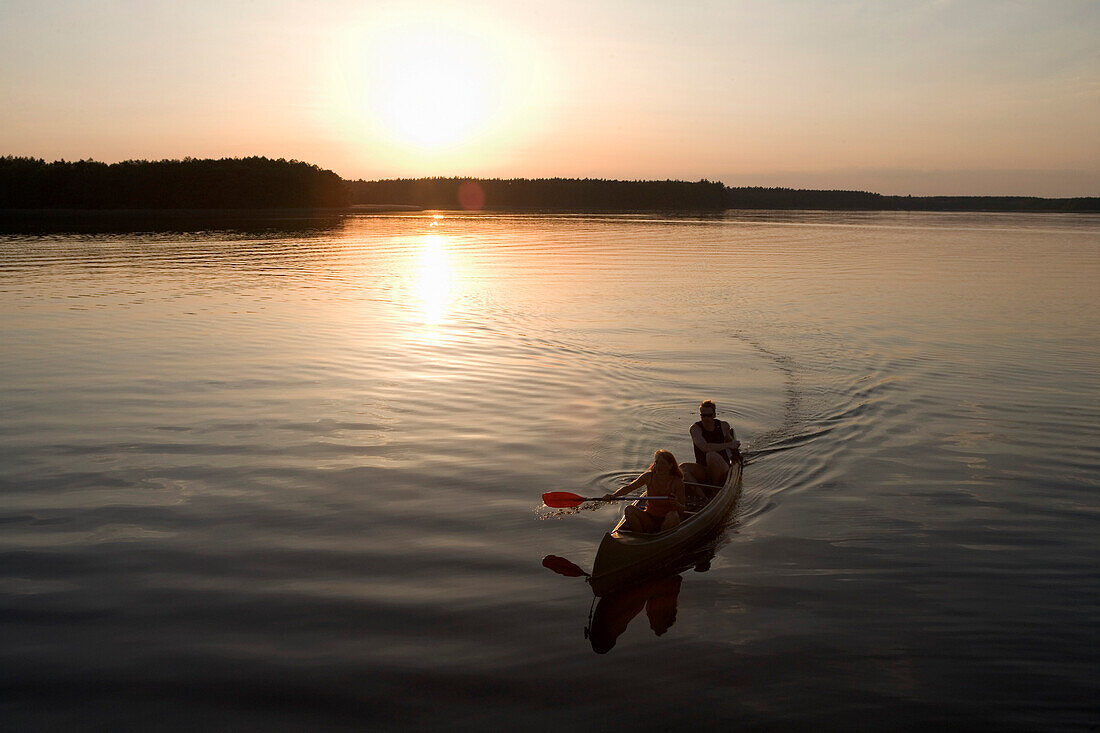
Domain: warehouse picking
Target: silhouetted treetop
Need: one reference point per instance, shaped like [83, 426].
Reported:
[191, 183]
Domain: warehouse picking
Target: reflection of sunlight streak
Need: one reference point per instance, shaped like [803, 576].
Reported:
[433, 283]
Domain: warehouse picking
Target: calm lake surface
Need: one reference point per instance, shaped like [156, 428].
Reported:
[289, 478]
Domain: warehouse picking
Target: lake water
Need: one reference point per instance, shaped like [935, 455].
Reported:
[289, 478]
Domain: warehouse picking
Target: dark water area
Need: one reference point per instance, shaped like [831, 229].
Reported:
[288, 478]
[277, 223]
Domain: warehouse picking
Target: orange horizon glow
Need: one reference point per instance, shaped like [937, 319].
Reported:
[911, 98]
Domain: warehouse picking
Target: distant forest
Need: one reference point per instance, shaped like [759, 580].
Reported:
[228, 183]
[566, 194]
[572, 194]
[264, 183]
[789, 198]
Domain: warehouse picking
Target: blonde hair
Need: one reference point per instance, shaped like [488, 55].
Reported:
[661, 453]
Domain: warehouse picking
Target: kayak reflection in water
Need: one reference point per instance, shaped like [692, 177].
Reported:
[615, 612]
[662, 478]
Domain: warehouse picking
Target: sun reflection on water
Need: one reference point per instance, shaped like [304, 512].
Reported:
[434, 279]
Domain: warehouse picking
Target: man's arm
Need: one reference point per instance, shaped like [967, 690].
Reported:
[697, 438]
[734, 443]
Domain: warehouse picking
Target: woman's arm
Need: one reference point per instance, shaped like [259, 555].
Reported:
[679, 494]
[642, 480]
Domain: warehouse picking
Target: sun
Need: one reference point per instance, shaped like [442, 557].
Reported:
[430, 87]
[403, 92]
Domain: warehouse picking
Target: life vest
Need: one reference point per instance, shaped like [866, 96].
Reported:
[717, 435]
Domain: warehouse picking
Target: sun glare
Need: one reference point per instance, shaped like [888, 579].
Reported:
[433, 283]
[416, 94]
[431, 89]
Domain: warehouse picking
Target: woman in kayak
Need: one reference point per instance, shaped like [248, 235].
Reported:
[663, 478]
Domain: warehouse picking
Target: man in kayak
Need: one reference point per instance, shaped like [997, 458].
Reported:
[716, 448]
[663, 478]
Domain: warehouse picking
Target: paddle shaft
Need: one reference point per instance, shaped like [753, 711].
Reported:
[629, 498]
[567, 500]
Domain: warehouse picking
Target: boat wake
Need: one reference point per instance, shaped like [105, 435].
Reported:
[833, 394]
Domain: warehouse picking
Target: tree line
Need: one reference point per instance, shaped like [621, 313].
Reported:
[264, 183]
[567, 194]
[789, 198]
[572, 194]
[227, 183]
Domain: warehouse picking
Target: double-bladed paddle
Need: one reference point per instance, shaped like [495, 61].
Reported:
[566, 500]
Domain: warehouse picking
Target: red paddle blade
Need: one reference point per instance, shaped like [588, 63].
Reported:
[561, 566]
[562, 499]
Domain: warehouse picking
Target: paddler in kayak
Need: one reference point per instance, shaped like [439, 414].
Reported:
[716, 448]
[662, 478]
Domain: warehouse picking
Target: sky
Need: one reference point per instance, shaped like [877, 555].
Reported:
[944, 97]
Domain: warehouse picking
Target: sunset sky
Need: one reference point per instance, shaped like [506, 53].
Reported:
[938, 97]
